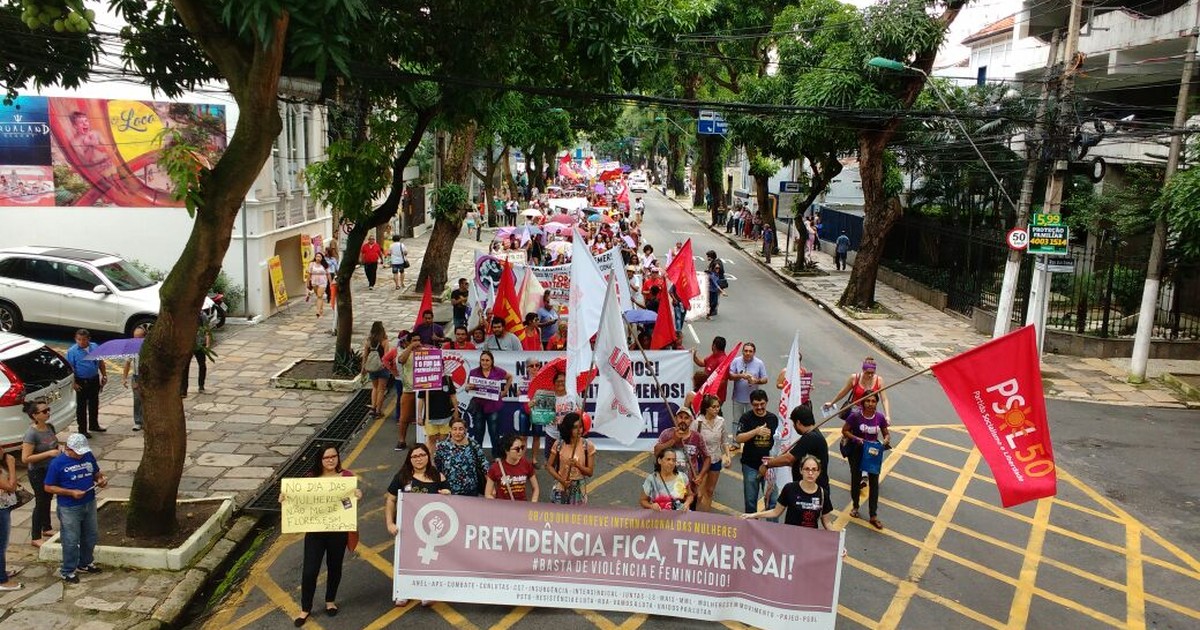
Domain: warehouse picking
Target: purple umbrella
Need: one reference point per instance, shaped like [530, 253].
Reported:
[116, 349]
[599, 189]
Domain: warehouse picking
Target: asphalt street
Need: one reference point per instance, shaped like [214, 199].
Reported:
[1114, 549]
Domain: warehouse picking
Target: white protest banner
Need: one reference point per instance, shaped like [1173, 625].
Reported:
[692, 565]
[485, 388]
[318, 504]
[673, 368]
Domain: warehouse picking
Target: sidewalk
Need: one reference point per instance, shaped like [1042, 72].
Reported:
[919, 335]
[239, 431]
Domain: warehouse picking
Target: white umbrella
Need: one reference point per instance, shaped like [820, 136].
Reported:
[531, 213]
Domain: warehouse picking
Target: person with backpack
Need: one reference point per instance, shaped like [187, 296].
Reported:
[572, 461]
[716, 282]
[372, 365]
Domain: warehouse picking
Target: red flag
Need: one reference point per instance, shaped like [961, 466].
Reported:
[623, 196]
[426, 302]
[997, 391]
[664, 326]
[682, 273]
[508, 305]
[715, 382]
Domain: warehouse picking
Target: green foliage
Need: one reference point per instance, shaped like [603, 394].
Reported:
[353, 174]
[763, 166]
[235, 294]
[1122, 208]
[1179, 203]
[153, 273]
[450, 200]
[893, 176]
[185, 164]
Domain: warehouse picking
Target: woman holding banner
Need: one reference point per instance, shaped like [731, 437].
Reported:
[865, 426]
[804, 501]
[461, 459]
[572, 460]
[330, 546]
[667, 488]
[417, 475]
[487, 384]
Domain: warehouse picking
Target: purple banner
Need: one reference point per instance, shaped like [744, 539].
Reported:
[427, 368]
[680, 564]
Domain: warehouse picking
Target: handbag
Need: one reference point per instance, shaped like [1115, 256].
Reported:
[872, 457]
[542, 411]
[15, 499]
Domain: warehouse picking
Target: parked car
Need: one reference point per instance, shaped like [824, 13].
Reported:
[639, 186]
[77, 288]
[31, 370]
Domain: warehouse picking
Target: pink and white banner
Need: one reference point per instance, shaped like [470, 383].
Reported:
[679, 564]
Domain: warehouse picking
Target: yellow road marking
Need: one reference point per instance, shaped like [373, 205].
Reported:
[390, 616]
[598, 620]
[856, 617]
[252, 616]
[453, 617]
[1018, 612]
[920, 564]
[1087, 510]
[515, 615]
[634, 622]
[938, 599]
[1135, 591]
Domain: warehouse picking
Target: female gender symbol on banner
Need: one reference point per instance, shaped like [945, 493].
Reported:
[435, 531]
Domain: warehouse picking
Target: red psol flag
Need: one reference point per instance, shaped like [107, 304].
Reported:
[996, 389]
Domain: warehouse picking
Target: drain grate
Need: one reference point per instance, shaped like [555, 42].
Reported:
[341, 427]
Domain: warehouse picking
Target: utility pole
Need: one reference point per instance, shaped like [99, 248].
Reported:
[1039, 293]
[1146, 315]
[1033, 159]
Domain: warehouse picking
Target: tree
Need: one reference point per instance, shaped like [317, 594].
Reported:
[173, 47]
[874, 101]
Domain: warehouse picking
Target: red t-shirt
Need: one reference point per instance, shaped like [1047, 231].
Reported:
[452, 345]
[519, 475]
[711, 363]
[370, 253]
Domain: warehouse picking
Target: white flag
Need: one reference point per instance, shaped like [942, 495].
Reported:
[587, 287]
[617, 414]
[789, 399]
[530, 293]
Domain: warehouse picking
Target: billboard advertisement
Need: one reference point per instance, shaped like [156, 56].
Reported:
[63, 151]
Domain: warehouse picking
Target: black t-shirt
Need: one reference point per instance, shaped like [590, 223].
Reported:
[416, 486]
[460, 312]
[811, 443]
[759, 447]
[803, 509]
[439, 399]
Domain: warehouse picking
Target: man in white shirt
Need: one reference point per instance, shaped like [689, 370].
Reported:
[399, 254]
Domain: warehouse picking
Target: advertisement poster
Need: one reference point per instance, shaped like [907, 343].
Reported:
[306, 254]
[693, 565]
[318, 504]
[427, 368]
[278, 286]
[671, 368]
[61, 151]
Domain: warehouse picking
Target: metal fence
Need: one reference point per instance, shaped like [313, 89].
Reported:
[1100, 298]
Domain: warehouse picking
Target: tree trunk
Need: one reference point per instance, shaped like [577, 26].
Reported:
[714, 174]
[824, 169]
[762, 193]
[253, 79]
[343, 353]
[700, 172]
[507, 172]
[880, 214]
[457, 168]
[675, 174]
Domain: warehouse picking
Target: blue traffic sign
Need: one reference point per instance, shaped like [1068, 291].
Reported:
[711, 123]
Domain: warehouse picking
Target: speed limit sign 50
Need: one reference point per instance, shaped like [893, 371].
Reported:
[1018, 238]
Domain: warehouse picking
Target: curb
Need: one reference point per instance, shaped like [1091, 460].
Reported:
[887, 347]
[168, 613]
[833, 310]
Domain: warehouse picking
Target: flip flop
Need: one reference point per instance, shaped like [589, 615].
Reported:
[854, 513]
[878, 524]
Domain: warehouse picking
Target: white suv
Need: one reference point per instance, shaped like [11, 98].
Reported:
[31, 370]
[76, 288]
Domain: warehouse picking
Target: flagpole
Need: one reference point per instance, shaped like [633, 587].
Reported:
[868, 395]
[646, 358]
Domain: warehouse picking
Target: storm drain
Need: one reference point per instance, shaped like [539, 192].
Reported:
[341, 428]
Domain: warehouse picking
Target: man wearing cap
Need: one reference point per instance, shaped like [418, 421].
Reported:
[690, 453]
[74, 475]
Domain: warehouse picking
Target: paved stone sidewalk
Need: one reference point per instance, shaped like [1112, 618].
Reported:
[920, 335]
[238, 432]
